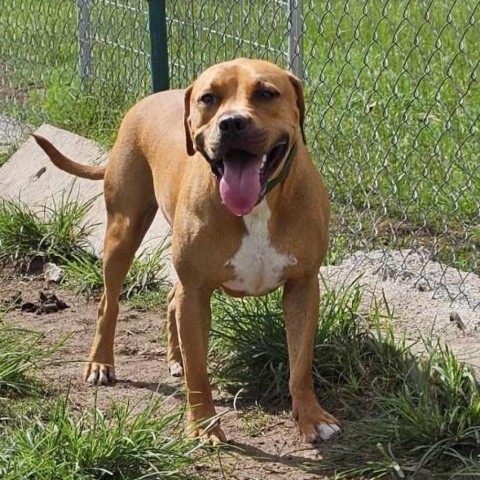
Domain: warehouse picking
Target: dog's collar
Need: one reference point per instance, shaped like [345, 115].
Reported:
[271, 184]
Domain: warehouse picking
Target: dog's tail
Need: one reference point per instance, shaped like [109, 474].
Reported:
[91, 172]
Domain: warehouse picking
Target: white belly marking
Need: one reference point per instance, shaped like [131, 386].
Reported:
[258, 267]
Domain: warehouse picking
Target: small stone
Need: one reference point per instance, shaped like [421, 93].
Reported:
[52, 272]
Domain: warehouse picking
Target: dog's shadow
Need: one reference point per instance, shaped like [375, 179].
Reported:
[165, 389]
[289, 460]
[176, 389]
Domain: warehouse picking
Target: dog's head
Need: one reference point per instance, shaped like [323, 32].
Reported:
[244, 116]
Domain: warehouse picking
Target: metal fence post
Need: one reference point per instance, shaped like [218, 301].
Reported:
[295, 37]
[159, 45]
[84, 43]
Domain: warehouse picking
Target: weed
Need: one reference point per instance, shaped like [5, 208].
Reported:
[83, 273]
[249, 345]
[56, 444]
[49, 232]
[428, 425]
[60, 233]
[249, 342]
[149, 300]
[255, 421]
[20, 355]
[21, 231]
[148, 271]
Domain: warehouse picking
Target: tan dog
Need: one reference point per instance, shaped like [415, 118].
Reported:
[226, 162]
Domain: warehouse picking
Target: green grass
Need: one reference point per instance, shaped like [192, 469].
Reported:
[49, 232]
[416, 413]
[38, 66]
[57, 443]
[20, 354]
[392, 115]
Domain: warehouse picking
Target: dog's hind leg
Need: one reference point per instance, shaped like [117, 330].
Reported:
[123, 237]
[174, 356]
[131, 207]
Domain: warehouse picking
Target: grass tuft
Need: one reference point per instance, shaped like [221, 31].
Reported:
[60, 233]
[249, 346]
[51, 233]
[249, 342]
[58, 443]
[20, 355]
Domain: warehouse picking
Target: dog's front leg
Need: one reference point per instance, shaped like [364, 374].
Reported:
[300, 304]
[192, 311]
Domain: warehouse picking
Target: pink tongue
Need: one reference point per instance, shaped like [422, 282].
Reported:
[240, 184]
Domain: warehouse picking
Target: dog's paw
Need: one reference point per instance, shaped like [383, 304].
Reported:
[326, 431]
[99, 374]
[175, 369]
[316, 425]
[211, 435]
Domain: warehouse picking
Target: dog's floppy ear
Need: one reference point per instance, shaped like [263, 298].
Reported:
[186, 114]
[297, 85]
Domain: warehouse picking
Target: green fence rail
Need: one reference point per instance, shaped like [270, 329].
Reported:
[392, 90]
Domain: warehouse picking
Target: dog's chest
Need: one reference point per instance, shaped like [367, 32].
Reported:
[257, 266]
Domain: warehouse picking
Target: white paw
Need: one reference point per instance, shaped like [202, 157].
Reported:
[176, 369]
[101, 376]
[326, 431]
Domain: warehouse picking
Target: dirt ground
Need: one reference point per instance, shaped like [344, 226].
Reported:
[263, 445]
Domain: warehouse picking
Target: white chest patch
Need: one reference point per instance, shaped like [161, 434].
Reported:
[258, 267]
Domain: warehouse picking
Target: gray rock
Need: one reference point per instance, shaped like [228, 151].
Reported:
[52, 272]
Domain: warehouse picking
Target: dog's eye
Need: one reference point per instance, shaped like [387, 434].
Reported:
[265, 94]
[207, 99]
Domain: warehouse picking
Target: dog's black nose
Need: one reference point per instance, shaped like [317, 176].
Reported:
[232, 123]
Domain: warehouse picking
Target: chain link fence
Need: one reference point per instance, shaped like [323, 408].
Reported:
[392, 91]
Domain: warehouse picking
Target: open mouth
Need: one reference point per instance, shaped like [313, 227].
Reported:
[244, 175]
[269, 164]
